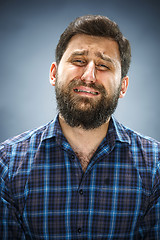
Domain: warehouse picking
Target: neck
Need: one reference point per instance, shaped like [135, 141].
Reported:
[83, 140]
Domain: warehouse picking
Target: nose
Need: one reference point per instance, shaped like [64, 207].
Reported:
[88, 75]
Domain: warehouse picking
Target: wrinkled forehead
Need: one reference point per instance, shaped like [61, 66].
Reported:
[102, 47]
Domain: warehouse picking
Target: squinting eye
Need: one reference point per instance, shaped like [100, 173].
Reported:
[102, 67]
[78, 62]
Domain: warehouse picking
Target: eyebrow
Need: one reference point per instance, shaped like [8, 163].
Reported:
[79, 53]
[104, 57]
[98, 54]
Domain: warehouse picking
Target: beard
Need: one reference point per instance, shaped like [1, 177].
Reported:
[85, 112]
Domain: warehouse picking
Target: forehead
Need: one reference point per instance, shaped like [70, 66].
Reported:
[92, 45]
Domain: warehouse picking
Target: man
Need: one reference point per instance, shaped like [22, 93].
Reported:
[84, 175]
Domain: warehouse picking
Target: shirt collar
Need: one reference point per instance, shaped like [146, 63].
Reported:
[52, 130]
[116, 131]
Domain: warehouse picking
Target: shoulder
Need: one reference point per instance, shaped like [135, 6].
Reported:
[145, 146]
[22, 139]
[143, 150]
[143, 153]
[21, 148]
[135, 139]
[139, 141]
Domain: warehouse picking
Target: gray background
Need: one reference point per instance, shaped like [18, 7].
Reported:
[29, 32]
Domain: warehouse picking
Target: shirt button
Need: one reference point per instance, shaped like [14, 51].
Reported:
[79, 230]
[72, 156]
[81, 192]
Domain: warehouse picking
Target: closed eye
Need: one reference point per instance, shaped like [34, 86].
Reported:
[78, 62]
[102, 67]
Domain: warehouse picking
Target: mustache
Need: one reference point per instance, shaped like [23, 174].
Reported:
[79, 83]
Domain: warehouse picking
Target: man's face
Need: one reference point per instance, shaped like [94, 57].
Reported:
[88, 81]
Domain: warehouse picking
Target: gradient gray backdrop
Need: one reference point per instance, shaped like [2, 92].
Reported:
[29, 32]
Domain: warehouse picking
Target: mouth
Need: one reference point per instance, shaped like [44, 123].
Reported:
[85, 91]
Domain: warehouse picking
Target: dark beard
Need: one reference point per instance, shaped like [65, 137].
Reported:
[85, 112]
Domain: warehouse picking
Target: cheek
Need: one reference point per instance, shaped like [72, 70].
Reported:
[69, 73]
[75, 72]
[110, 82]
[62, 77]
[107, 80]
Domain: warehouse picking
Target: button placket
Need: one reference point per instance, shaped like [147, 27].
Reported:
[80, 209]
[81, 191]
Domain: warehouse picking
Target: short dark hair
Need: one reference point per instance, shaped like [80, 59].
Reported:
[96, 25]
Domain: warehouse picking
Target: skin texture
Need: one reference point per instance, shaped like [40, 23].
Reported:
[90, 59]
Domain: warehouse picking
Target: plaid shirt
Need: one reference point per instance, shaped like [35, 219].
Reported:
[44, 193]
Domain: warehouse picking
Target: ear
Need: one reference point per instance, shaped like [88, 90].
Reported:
[124, 86]
[53, 71]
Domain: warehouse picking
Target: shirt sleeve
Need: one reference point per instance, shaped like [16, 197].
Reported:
[10, 225]
[151, 223]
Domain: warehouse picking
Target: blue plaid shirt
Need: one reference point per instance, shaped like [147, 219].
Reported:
[44, 193]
